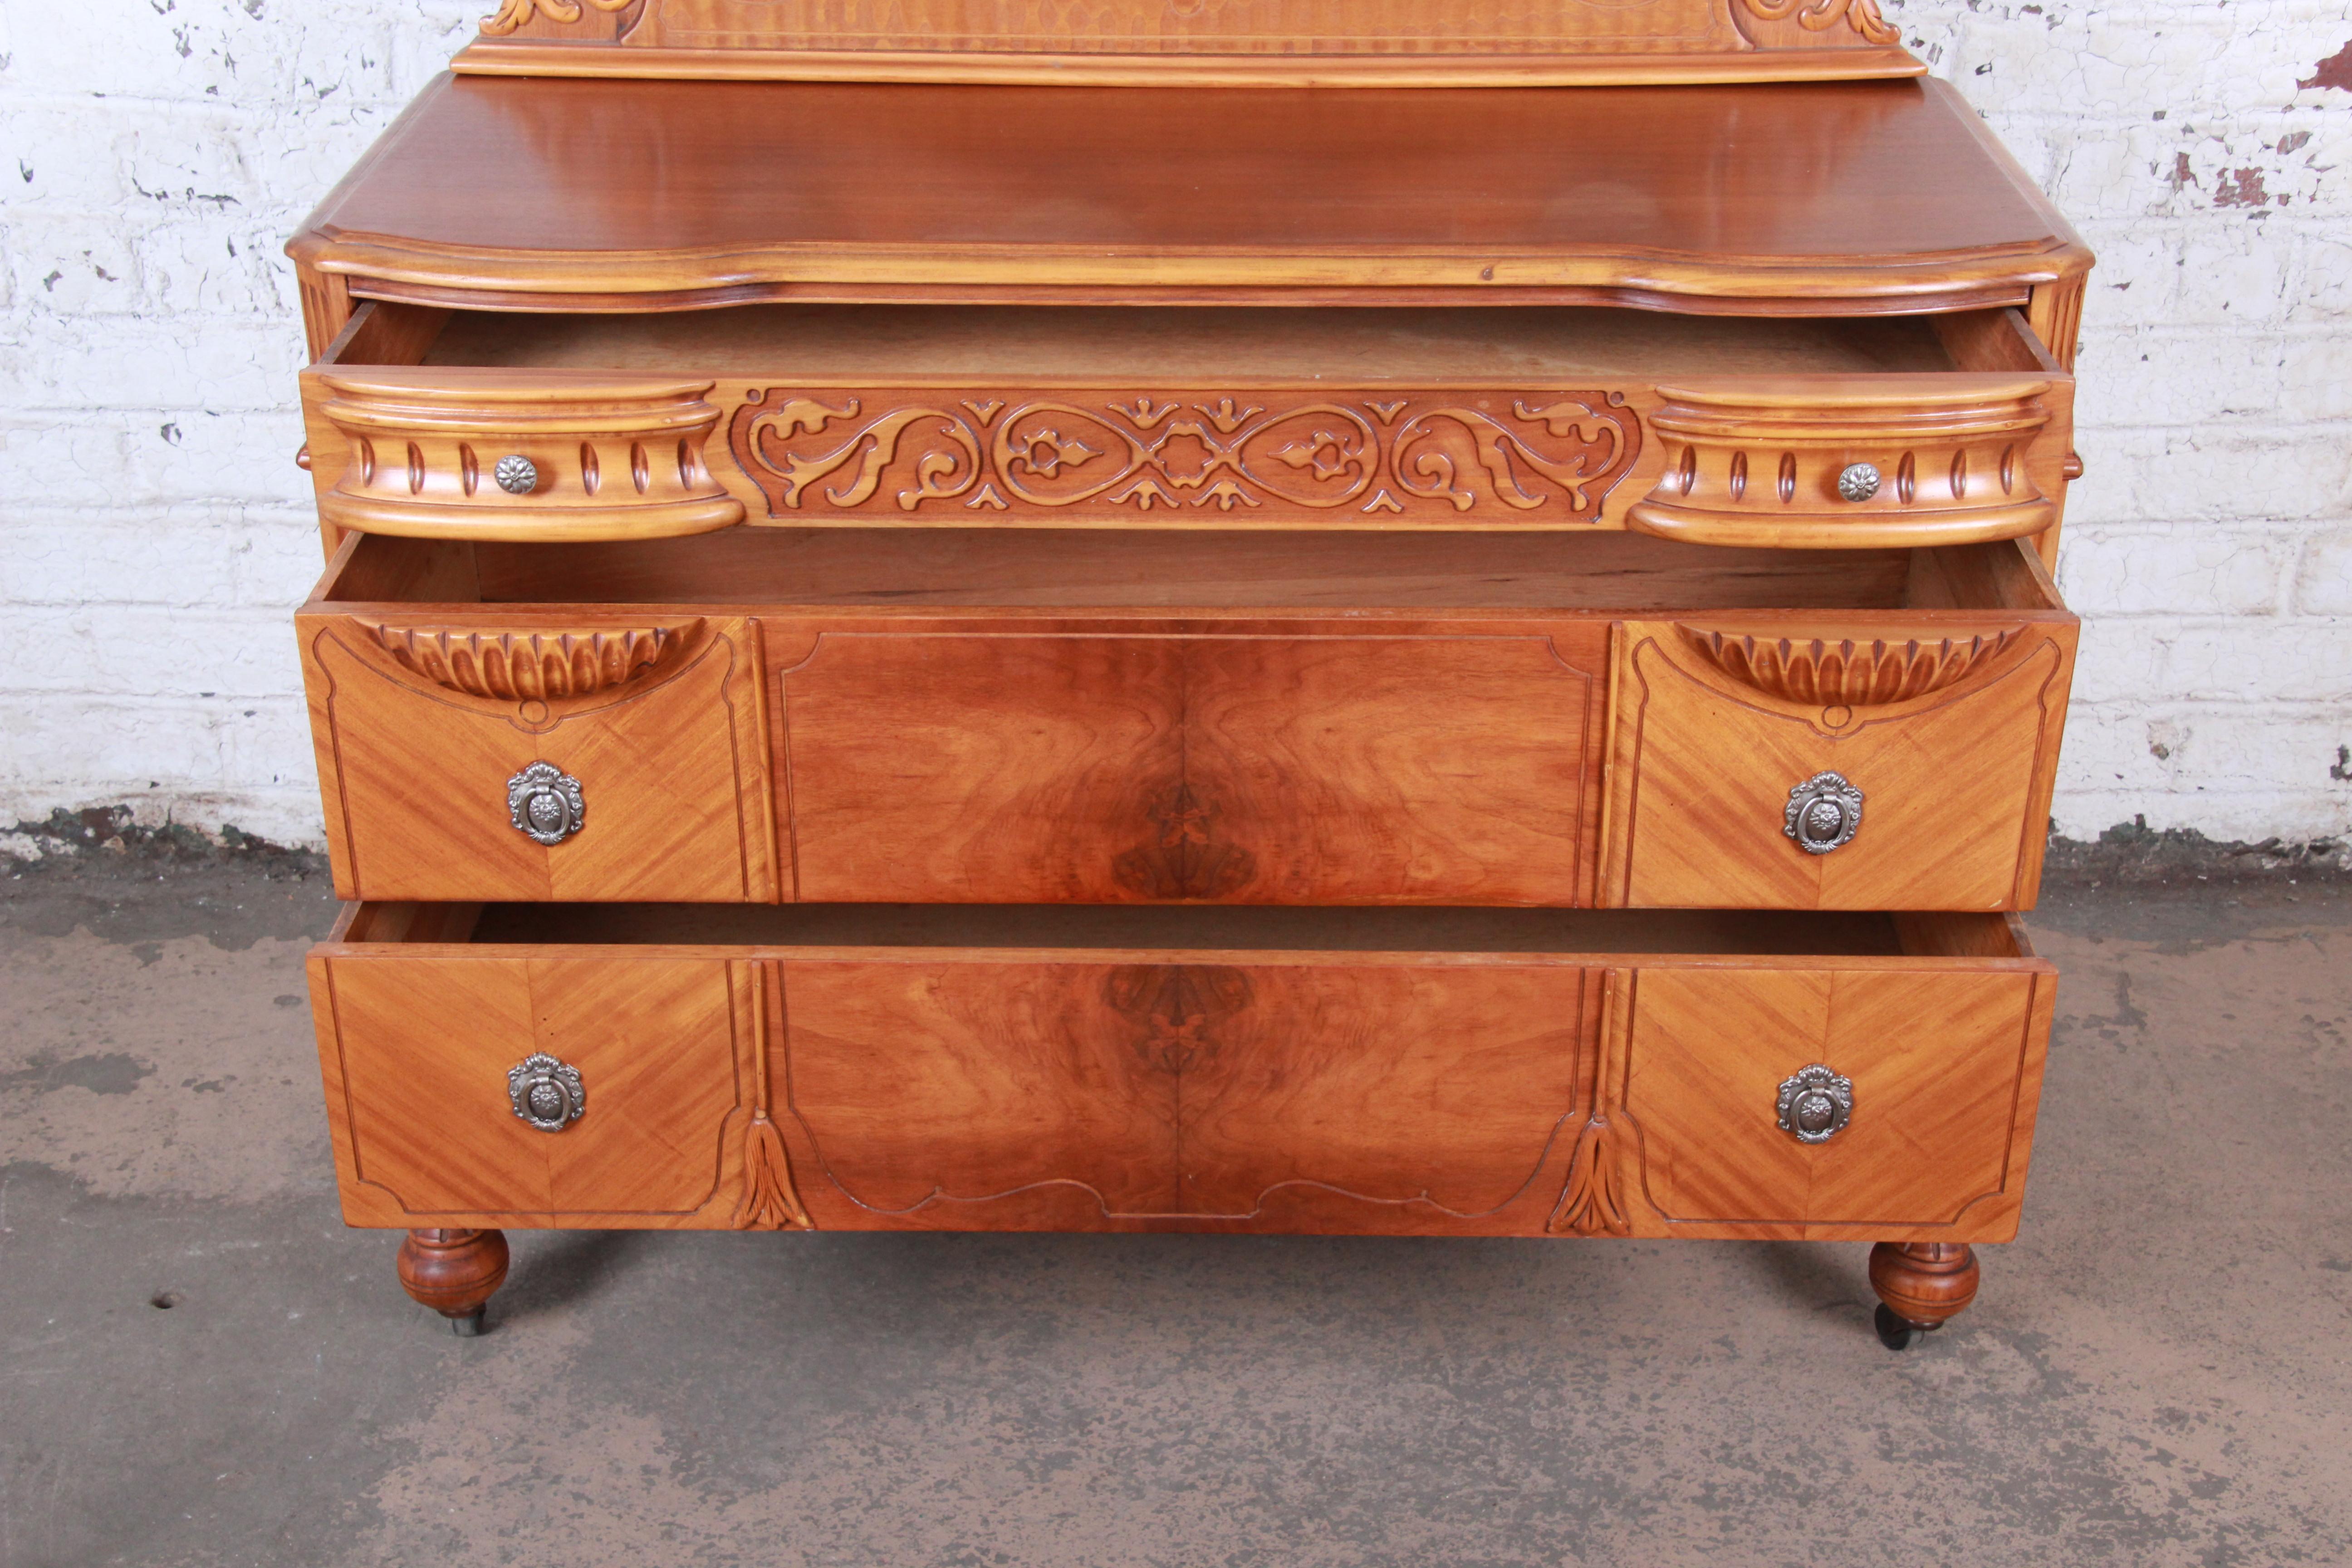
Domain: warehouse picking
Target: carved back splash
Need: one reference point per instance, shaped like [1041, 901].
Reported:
[1287, 42]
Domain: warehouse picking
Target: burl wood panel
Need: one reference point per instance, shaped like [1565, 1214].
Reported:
[1258, 764]
[1950, 730]
[420, 722]
[1799, 200]
[1946, 1069]
[1011, 1092]
[415, 1048]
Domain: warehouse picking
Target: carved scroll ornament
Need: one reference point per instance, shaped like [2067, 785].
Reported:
[1549, 457]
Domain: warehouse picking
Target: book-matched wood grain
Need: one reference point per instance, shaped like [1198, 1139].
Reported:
[968, 1088]
[1946, 1071]
[415, 1046]
[633, 194]
[1241, 1092]
[1025, 753]
[1254, 762]
[421, 720]
[1950, 728]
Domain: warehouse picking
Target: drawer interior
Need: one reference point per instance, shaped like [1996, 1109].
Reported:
[1176, 343]
[1726, 932]
[950, 567]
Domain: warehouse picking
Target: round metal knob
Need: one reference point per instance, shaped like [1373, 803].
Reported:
[1815, 1104]
[519, 476]
[1824, 813]
[1856, 482]
[545, 804]
[546, 1092]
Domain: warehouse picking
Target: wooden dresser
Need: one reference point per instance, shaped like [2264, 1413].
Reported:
[1311, 616]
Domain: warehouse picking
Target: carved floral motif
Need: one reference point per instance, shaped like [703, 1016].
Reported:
[1548, 456]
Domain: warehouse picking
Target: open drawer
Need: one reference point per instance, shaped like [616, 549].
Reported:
[1747, 431]
[1436, 1071]
[1024, 717]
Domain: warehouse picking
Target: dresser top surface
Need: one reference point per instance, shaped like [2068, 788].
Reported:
[1877, 196]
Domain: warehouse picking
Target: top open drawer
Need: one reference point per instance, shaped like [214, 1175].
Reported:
[1795, 433]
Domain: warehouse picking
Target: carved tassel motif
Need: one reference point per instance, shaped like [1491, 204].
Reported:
[1593, 1201]
[1845, 672]
[770, 1201]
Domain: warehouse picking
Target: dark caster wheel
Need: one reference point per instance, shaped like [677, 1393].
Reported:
[469, 1325]
[1896, 1333]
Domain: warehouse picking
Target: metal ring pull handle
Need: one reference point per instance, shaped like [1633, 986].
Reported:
[1824, 813]
[546, 1092]
[545, 804]
[1815, 1104]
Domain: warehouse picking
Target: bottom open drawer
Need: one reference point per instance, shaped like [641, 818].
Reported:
[1424, 1071]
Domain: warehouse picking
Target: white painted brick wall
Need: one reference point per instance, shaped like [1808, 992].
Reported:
[154, 532]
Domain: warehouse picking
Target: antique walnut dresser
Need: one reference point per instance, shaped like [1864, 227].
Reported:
[1380, 616]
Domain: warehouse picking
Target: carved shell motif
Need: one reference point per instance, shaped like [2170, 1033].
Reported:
[520, 667]
[1848, 673]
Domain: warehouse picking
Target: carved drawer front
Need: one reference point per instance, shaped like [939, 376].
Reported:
[1774, 761]
[1814, 462]
[1824, 1102]
[522, 758]
[1180, 1092]
[1259, 764]
[496, 455]
[470, 1088]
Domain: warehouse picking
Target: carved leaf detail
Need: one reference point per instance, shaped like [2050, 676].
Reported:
[1846, 673]
[1818, 15]
[513, 14]
[519, 667]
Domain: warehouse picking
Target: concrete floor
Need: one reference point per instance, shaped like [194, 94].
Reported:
[198, 1364]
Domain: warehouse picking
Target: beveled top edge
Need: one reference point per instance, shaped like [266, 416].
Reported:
[542, 194]
[533, 57]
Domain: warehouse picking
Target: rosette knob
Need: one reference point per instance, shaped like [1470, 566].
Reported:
[519, 476]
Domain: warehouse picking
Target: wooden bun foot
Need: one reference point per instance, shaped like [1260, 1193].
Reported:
[1922, 1284]
[454, 1272]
